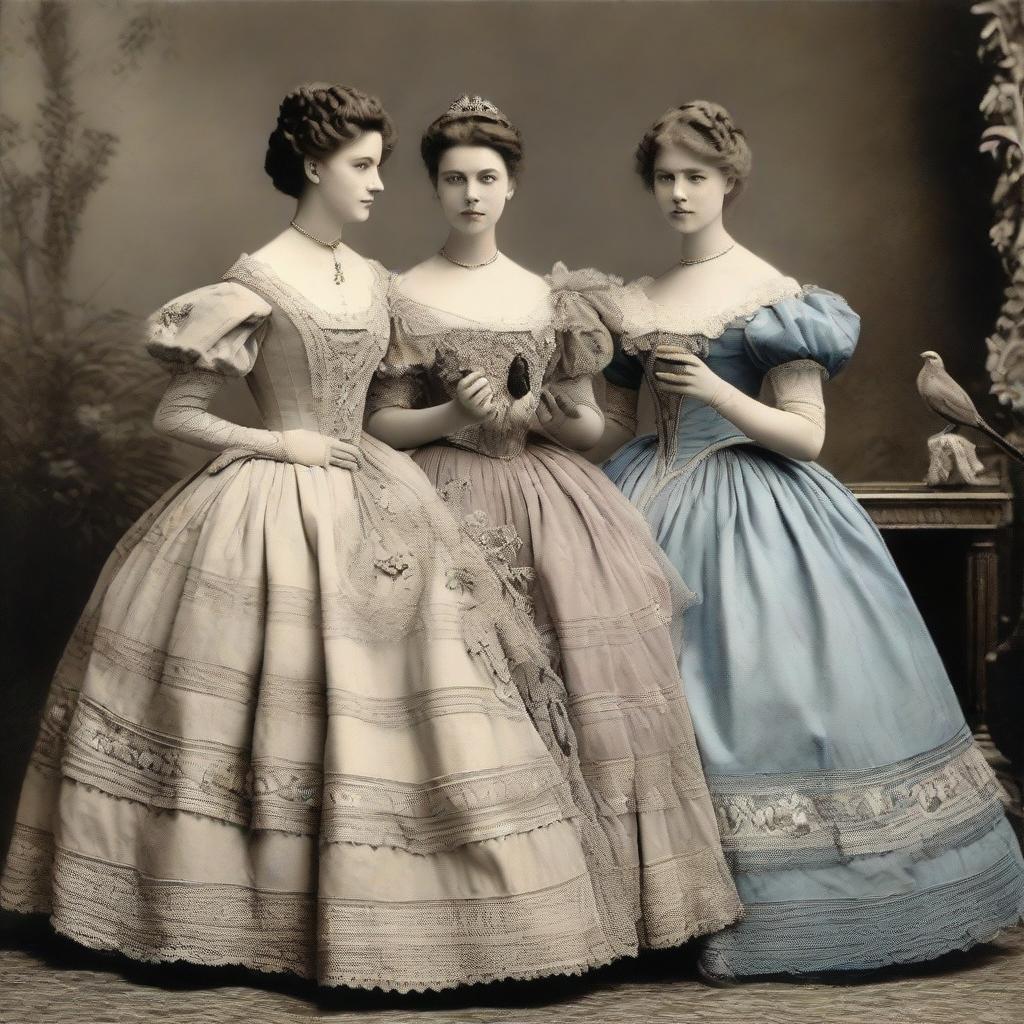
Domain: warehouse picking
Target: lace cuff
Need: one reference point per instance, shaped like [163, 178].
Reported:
[797, 388]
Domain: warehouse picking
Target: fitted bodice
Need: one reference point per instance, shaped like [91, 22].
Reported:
[687, 427]
[515, 355]
[314, 367]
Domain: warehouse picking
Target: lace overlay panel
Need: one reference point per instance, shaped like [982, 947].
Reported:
[923, 805]
[342, 350]
[449, 346]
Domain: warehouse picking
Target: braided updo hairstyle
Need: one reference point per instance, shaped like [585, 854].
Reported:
[448, 131]
[316, 120]
[704, 128]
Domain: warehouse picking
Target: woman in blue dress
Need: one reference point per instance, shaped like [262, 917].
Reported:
[863, 825]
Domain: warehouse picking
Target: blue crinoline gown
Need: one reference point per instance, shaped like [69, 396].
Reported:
[862, 823]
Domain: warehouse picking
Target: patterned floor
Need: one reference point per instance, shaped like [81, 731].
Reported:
[44, 980]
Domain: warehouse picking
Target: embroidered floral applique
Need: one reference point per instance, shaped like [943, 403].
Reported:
[395, 566]
[175, 313]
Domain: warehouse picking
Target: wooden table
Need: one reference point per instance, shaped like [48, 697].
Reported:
[981, 510]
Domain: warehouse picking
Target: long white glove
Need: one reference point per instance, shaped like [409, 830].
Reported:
[183, 414]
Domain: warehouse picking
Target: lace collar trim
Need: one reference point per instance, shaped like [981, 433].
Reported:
[253, 269]
[423, 318]
[652, 315]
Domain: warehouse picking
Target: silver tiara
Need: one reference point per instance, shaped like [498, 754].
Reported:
[473, 106]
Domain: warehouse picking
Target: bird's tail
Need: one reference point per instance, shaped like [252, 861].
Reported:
[1011, 449]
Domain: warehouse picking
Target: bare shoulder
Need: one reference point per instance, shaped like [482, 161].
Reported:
[751, 269]
[419, 281]
[278, 248]
[525, 282]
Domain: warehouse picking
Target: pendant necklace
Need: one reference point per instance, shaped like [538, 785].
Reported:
[339, 274]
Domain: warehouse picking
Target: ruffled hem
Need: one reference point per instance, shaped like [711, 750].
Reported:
[811, 937]
[401, 946]
[347, 981]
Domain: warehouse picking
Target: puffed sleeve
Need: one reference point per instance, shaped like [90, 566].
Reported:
[218, 328]
[624, 372]
[584, 341]
[817, 325]
[400, 380]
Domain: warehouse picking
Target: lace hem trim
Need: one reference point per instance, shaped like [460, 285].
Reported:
[115, 906]
[924, 804]
[409, 946]
[859, 934]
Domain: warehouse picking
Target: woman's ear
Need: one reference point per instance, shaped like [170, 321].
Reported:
[511, 189]
[311, 172]
[730, 184]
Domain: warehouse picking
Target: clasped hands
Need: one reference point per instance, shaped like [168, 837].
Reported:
[693, 378]
[475, 397]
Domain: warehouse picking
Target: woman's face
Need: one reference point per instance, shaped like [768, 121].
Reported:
[690, 191]
[348, 180]
[473, 186]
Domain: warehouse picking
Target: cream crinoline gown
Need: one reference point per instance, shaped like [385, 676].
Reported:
[290, 730]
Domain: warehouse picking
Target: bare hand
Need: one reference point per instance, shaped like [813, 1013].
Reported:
[693, 379]
[554, 409]
[475, 396]
[310, 448]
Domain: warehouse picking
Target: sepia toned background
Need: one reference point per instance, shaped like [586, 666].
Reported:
[862, 117]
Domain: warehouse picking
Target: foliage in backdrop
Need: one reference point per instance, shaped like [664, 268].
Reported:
[78, 457]
[1002, 50]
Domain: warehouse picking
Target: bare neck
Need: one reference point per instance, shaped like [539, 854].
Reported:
[471, 249]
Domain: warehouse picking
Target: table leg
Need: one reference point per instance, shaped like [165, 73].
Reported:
[982, 621]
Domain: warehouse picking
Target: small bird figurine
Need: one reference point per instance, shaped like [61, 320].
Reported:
[945, 397]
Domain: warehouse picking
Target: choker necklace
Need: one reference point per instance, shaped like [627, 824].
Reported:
[708, 259]
[339, 274]
[468, 266]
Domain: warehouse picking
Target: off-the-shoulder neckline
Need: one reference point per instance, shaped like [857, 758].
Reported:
[524, 319]
[264, 268]
[714, 324]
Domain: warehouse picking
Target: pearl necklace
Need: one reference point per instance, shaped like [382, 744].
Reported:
[339, 274]
[708, 259]
[468, 266]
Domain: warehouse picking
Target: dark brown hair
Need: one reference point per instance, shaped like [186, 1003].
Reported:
[317, 120]
[449, 131]
[706, 129]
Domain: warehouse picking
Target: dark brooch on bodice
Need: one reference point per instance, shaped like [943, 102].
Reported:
[519, 377]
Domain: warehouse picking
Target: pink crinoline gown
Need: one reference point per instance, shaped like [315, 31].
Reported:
[605, 598]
